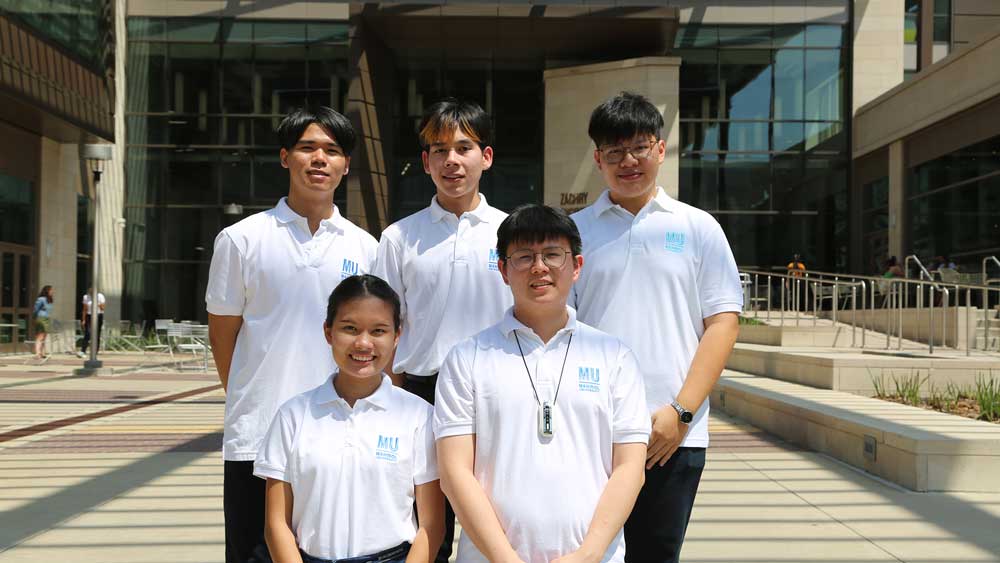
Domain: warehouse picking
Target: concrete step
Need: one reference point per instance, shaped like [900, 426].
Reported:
[856, 370]
[918, 449]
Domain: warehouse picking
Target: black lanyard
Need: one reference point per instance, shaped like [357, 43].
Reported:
[528, 371]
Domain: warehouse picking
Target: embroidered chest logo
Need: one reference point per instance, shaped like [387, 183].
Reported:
[387, 448]
[348, 269]
[494, 256]
[675, 242]
[589, 379]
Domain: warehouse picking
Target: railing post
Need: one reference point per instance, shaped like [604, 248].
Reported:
[836, 300]
[864, 319]
[769, 298]
[931, 322]
[900, 305]
[969, 335]
[854, 314]
[785, 286]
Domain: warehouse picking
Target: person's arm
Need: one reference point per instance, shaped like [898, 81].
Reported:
[278, 522]
[709, 360]
[456, 455]
[615, 504]
[430, 515]
[222, 333]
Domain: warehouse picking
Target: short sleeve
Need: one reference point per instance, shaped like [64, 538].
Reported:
[425, 467]
[719, 287]
[275, 450]
[630, 421]
[226, 292]
[454, 403]
[388, 266]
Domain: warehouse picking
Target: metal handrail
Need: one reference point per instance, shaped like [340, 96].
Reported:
[986, 261]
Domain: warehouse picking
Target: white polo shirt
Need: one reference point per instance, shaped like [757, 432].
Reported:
[352, 470]
[651, 280]
[270, 270]
[444, 269]
[544, 492]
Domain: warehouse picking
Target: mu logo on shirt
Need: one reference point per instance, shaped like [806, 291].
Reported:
[350, 268]
[387, 448]
[675, 242]
[494, 256]
[589, 379]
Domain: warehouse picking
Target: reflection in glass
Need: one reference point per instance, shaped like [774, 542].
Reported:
[789, 82]
[699, 180]
[745, 83]
[745, 182]
[746, 136]
[824, 85]
[699, 84]
[17, 210]
[788, 135]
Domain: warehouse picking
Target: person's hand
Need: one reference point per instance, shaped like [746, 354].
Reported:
[576, 557]
[667, 434]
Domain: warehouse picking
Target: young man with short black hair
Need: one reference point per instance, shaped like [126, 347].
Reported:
[661, 277]
[271, 273]
[442, 260]
[540, 419]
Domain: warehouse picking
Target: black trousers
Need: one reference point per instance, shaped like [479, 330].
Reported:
[423, 387]
[243, 505]
[654, 532]
[86, 332]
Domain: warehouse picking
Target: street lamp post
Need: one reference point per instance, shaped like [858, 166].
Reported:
[95, 156]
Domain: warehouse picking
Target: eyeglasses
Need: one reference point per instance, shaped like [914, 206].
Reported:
[554, 257]
[616, 153]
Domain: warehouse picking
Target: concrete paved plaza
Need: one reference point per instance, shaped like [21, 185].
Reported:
[126, 468]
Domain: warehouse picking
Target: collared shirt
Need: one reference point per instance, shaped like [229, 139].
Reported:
[352, 470]
[86, 303]
[444, 269]
[270, 270]
[651, 279]
[544, 490]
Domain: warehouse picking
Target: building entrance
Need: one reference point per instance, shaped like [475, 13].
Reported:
[17, 292]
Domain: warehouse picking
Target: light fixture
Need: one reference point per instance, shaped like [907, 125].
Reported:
[96, 156]
[232, 209]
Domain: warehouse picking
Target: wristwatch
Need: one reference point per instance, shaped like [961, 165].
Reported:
[686, 415]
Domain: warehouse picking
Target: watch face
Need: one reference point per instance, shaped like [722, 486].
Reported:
[687, 417]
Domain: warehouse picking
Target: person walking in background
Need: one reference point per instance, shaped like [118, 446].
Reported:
[270, 275]
[87, 308]
[43, 324]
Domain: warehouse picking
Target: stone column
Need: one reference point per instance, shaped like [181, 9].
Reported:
[59, 181]
[878, 49]
[572, 180]
[897, 201]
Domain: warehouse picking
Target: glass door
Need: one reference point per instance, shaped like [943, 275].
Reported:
[16, 296]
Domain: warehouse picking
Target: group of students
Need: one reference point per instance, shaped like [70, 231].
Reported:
[568, 359]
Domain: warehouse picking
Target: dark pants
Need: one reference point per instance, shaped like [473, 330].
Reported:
[655, 530]
[243, 505]
[86, 332]
[423, 387]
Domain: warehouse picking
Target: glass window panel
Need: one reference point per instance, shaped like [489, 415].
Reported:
[146, 169]
[236, 131]
[237, 31]
[825, 137]
[745, 83]
[270, 180]
[824, 35]
[699, 83]
[192, 177]
[24, 281]
[876, 193]
[17, 210]
[696, 36]
[757, 238]
[279, 32]
[146, 130]
[7, 269]
[745, 36]
[789, 36]
[158, 291]
[789, 84]
[942, 7]
[746, 136]
[699, 136]
[824, 85]
[327, 32]
[236, 176]
[942, 29]
[328, 77]
[788, 136]
[146, 77]
[194, 78]
[787, 173]
[699, 180]
[282, 75]
[745, 182]
[197, 30]
[149, 29]
[239, 83]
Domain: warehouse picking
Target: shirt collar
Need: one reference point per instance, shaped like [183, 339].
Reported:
[660, 199]
[285, 215]
[510, 323]
[327, 394]
[480, 212]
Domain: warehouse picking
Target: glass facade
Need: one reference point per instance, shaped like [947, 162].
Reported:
[763, 138]
[17, 210]
[954, 205]
[78, 26]
[203, 99]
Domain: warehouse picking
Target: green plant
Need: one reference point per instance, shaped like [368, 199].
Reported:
[878, 384]
[750, 321]
[987, 394]
[908, 387]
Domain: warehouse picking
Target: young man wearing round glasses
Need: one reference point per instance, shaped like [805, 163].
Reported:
[661, 276]
[539, 420]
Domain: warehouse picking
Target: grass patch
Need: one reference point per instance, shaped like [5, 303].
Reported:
[749, 321]
[987, 395]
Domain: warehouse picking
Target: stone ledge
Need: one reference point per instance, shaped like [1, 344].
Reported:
[919, 449]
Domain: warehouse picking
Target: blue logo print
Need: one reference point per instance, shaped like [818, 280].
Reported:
[590, 379]
[350, 268]
[387, 448]
[675, 242]
[494, 256]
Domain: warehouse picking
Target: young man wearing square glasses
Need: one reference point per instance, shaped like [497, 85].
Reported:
[660, 275]
[539, 419]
